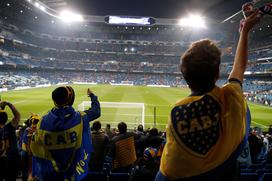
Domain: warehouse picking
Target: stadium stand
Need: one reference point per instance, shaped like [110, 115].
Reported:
[116, 59]
[36, 51]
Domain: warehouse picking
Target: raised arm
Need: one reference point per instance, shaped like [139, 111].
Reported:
[16, 115]
[94, 112]
[241, 56]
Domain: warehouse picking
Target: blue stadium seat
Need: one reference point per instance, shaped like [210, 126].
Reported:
[268, 166]
[243, 166]
[96, 176]
[266, 177]
[260, 160]
[256, 166]
[248, 170]
[119, 176]
[249, 177]
[260, 172]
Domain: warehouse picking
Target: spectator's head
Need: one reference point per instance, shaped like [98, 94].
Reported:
[63, 96]
[3, 117]
[34, 119]
[122, 127]
[140, 128]
[96, 126]
[200, 65]
[150, 153]
[108, 126]
[154, 132]
[27, 123]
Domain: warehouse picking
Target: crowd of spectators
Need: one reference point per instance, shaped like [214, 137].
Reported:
[13, 79]
[264, 98]
[61, 145]
[258, 89]
[131, 154]
[116, 150]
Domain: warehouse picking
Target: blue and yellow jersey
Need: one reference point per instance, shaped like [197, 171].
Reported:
[61, 145]
[25, 140]
[205, 133]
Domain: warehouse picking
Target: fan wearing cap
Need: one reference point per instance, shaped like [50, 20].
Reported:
[26, 151]
[8, 142]
[61, 145]
[146, 166]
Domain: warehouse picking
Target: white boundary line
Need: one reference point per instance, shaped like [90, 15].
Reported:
[148, 115]
[262, 125]
[129, 123]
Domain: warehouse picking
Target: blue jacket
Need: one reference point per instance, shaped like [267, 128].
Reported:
[62, 143]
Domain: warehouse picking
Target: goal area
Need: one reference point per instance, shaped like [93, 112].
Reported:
[112, 113]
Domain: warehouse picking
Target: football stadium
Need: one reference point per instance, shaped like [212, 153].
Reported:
[119, 90]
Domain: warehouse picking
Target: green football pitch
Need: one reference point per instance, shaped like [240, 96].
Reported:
[38, 100]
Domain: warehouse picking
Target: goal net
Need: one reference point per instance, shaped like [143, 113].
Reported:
[112, 113]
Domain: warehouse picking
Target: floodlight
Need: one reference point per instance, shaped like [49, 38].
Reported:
[68, 16]
[42, 8]
[194, 21]
[37, 4]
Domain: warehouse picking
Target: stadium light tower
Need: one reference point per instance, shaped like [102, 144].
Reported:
[70, 17]
[194, 21]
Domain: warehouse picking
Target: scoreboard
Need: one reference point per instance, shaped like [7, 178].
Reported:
[130, 20]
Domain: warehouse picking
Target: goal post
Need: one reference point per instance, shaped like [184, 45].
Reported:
[132, 113]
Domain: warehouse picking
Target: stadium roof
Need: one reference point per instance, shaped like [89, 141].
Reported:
[55, 4]
[166, 12]
[172, 9]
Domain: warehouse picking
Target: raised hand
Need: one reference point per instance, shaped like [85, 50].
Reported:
[251, 21]
[89, 92]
